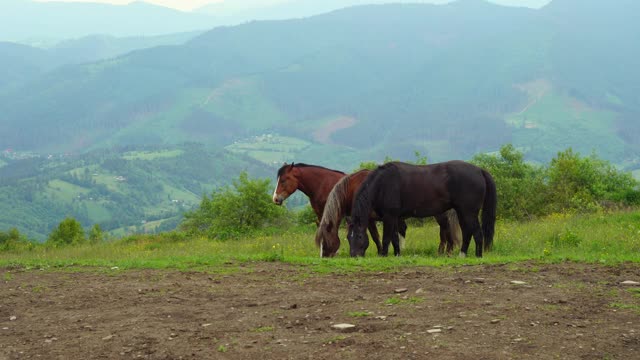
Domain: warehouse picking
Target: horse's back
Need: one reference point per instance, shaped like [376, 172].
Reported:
[439, 186]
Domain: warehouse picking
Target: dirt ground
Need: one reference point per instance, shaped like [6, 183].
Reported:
[279, 311]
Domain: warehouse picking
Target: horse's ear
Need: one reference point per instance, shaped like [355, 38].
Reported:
[291, 165]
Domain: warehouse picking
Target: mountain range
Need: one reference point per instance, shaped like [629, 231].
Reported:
[357, 84]
[448, 80]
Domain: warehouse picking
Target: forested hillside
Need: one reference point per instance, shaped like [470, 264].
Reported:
[123, 190]
[448, 80]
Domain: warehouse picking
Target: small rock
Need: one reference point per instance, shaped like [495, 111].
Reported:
[400, 290]
[630, 283]
[13, 318]
[518, 282]
[108, 337]
[115, 268]
[495, 321]
[344, 327]
[479, 280]
[381, 317]
[420, 291]
[434, 331]
[205, 325]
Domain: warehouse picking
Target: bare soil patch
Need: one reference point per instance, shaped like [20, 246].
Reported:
[323, 135]
[280, 311]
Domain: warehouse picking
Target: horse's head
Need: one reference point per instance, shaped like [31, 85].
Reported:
[328, 240]
[286, 185]
[358, 240]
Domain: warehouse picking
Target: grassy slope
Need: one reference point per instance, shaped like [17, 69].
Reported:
[602, 238]
[552, 122]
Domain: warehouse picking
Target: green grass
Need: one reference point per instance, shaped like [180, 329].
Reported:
[152, 155]
[599, 238]
[624, 306]
[359, 313]
[242, 100]
[556, 121]
[64, 191]
[262, 329]
[395, 300]
[269, 149]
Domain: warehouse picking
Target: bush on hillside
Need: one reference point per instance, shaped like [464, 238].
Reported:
[522, 192]
[234, 210]
[570, 183]
[68, 232]
[583, 183]
[13, 240]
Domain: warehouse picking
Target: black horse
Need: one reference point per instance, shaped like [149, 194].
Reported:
[398, 190]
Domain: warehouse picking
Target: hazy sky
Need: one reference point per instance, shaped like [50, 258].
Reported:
[187, 5]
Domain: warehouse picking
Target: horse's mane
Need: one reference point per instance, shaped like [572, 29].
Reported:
[283, 167]
[362, 201]
[333, 211]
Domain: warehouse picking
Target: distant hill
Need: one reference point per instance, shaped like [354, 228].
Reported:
[360, 83]
[20, 64]
[28, 21]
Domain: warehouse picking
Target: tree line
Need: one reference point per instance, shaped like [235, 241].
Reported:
[569, 183]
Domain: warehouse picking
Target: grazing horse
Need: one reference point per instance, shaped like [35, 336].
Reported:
[338, 205]
[316, 182]
[398, 190]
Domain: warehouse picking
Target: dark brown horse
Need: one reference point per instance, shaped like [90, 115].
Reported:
[338, 205]
[316, 182]
[398, 191]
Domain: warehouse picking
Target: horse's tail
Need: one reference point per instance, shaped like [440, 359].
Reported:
[327, 233]
[489, 210]
[454, 228]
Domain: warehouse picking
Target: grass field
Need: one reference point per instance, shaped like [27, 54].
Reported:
[152, 155]
[269, 149]
[600, 238]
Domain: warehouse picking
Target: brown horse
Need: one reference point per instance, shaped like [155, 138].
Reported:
[316, 182]
[338, 205]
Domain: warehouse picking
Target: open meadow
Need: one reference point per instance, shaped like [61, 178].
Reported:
[551, 288]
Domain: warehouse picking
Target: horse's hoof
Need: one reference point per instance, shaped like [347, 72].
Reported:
[462, 255]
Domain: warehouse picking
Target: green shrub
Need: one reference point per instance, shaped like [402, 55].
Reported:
[68, 232]
[522, 193]
[13, 240]
[565, 239]
[235, 210]
[306, 216]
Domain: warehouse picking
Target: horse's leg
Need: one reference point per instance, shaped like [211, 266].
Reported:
[465, 226]
[470, 226]
[375, 235]
[454, 225]
[390, 232]
[402, 231]
[445, 239]
[477, 236]
[385, 242]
